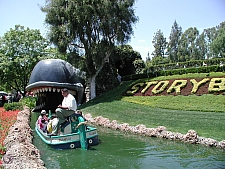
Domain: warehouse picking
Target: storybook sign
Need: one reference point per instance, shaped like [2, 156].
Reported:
[187, 86]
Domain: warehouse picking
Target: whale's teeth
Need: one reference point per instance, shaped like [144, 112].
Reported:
[58, 90]
[49, 89]
[46, 89]
[54, 89]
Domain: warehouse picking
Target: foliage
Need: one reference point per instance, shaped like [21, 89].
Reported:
[126, 60]
[20, 50]
[152, 74]
[159, 43]
[218, 45]
[139, 66]
[92, 27]
[188, 45]
[29, 101]
[172, 46]
[184, 65]
[26, 101]
[13, 106]
[53, 53]
[106, 79]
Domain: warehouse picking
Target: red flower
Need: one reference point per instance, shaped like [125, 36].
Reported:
[7, 119]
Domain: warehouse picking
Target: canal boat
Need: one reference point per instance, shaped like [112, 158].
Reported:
[73, 134]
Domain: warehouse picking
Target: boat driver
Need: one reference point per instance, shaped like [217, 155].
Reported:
[68, 107]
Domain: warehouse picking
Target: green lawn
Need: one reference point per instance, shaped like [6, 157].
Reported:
[204, 114]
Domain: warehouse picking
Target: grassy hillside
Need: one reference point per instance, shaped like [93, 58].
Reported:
[204, 114]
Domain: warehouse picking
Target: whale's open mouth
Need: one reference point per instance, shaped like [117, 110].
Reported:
[49, 97]
[47, 80]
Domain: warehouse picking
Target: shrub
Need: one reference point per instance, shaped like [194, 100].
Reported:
[26, 101]
[13, 106]
[29, 102]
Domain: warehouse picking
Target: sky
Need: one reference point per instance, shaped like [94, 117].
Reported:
[153, 15]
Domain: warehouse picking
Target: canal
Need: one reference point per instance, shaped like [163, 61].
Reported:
[125, 151]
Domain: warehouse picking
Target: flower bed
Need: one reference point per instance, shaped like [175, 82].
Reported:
[19, 151]
[184, 86]
[7, 119]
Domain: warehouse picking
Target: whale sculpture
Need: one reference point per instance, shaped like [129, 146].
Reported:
[48, 78]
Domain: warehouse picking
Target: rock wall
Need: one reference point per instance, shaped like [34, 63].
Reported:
[20, 152]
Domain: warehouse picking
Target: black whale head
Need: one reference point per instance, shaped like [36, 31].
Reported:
[49, 77]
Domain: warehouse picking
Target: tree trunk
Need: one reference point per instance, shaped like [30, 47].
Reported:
[93, 77]
[92, 87]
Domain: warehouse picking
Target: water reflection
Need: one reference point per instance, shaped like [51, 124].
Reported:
[125, 151]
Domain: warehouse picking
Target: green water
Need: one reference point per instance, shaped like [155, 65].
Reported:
[125, 151]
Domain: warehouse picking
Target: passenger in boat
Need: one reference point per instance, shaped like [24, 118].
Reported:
[85, 121]
[52, 125]
[68, 107]
[81, 114]
[42, 113]
[43, 121]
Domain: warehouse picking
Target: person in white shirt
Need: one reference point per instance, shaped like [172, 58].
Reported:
[52, 125]
[68, 107]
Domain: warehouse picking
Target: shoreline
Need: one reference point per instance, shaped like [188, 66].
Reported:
[160, 132]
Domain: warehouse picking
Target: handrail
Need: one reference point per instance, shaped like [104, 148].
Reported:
[82, 132]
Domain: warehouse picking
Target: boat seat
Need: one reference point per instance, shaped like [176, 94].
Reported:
[68, 120]
[71, 120]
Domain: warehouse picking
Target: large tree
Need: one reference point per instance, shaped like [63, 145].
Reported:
[187, 45]
[172, 47]
[123, 57]
[218, 45]
[92, 27]
[20, 50]
[201, 46]
[159, 43]
[210, 34]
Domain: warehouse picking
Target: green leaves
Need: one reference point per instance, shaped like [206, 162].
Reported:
[20, 50]
[92, 25]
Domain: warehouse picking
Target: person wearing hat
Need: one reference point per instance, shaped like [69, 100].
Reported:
[43, 121]
[67, 108]
[42, 113]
